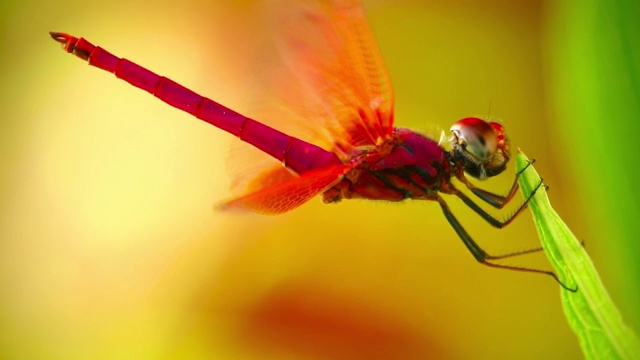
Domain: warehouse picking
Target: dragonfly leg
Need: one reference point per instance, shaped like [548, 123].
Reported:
[490, 219]
[482, 257]
[493, 199]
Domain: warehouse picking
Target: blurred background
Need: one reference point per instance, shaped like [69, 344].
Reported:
[110, 246]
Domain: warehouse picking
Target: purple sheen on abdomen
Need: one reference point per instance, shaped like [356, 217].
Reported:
[178, 96]
[302, 156]
[265, 138]
[221, 116]
[100, 57]
[137, 76]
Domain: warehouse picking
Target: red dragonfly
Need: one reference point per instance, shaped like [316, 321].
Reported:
[358, 153]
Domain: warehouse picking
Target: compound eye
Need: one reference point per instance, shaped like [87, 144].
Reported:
[477, 137]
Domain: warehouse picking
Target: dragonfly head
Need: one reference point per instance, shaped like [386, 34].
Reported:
[480, 146]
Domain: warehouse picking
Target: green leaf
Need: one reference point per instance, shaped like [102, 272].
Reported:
[590, 312]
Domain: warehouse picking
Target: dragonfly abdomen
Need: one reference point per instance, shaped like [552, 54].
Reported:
[296, 154]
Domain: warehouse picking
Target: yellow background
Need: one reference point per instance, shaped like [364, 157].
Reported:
[110, 247]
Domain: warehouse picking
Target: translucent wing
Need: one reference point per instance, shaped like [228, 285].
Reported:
[249, 169]
[290, 193]
[333, 83]
[329, 87]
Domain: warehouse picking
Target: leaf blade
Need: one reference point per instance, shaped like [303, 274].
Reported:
[590, 311]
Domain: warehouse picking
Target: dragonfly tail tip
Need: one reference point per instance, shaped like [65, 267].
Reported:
[60, 37]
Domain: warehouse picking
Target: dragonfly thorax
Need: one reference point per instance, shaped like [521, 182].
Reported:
[404, 165]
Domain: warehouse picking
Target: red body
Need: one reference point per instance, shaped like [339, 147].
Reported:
[348, 104]
[402, 165]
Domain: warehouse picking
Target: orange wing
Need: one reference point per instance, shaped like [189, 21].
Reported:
[291, 193]
[330, 88]
[333, 82]
[249, 169]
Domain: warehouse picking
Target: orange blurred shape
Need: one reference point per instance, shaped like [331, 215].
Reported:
[308, 321]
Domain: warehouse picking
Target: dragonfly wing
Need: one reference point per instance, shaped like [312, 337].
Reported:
[290, 193]
[328, 87]
[333, 78]
[249, 169]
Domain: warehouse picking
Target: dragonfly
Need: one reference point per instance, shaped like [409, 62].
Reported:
[354, 150]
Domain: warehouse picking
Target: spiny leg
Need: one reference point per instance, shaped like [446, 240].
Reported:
[500, 224]
[482, 257]
[493, 199]
[490, 219]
